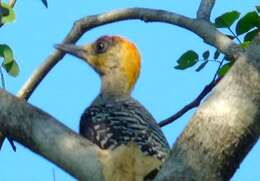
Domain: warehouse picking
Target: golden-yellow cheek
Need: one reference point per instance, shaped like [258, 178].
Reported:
[97, 62]
[92, 58]
[131, 65]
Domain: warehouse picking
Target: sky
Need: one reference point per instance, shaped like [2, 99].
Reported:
[71, 86]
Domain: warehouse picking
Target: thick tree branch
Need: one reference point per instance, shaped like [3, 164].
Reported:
[200, 27]
[224, 129]
[44, 135]
[205, 9]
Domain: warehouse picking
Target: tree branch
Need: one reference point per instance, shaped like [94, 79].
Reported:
[44, 135]
[205, 9]
[224, 129]
[202, 28]
[195, 103]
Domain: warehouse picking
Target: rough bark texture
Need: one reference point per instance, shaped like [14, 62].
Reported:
[42, 134]
[224, 129]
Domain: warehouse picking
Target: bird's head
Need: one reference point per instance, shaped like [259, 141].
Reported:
[115, 59]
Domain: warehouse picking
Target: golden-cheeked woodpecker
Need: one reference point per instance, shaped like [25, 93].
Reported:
[115, 121]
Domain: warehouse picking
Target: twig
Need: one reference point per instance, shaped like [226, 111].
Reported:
[205, 9]
[232, 32]
[213, 60]
[195, 103]
[219, 66]
[203, 29]
[12, 3]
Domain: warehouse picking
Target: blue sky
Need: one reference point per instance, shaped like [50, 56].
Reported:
[72, 85]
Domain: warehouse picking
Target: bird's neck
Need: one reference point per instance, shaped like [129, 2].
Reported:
[115, 86]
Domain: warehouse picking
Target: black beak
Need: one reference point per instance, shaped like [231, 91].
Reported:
[77, 51]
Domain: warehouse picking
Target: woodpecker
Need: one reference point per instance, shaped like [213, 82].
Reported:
[115, 121]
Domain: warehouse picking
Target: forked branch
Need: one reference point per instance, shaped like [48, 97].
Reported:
[205, 8]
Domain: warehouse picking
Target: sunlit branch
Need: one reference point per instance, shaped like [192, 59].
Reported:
[202, 28]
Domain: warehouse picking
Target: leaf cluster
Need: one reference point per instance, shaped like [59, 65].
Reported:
[247, 26]
[7, 15]
[9, 64]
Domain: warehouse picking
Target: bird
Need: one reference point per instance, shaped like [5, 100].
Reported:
[115, 121]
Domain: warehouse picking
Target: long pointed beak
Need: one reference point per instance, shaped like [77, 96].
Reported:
[77, 51]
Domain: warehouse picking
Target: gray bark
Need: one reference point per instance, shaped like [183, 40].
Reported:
[224, 128]
[49, 138]
[205, 9]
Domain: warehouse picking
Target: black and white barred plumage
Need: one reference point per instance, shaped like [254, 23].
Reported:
[110, 124]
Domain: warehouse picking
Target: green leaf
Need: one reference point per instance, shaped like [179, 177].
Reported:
[258, 9]
[201, 66]
[11, 68]
[226, 19]
[9, 64]
[224, 69]
[188, 59]
[245, 44]
[247, 22]
[6, 52]
[216, 54]
[205, 55]
[250, 35]
[8, 14]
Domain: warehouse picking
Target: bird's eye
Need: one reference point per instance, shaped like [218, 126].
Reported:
[101, 46]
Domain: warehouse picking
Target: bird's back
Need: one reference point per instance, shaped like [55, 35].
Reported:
[110, 124]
